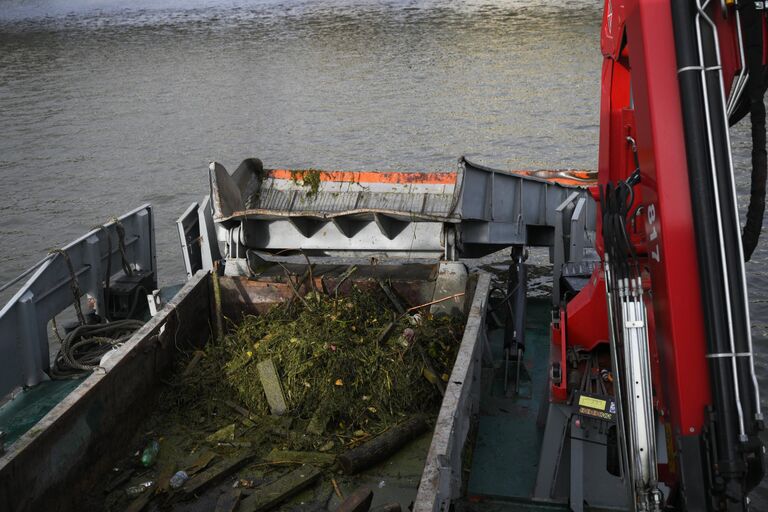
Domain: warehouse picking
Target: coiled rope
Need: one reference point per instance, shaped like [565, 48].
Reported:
[82, 348]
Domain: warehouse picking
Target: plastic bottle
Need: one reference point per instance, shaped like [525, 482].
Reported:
[138, 489]
[149, 455]
[178, 479]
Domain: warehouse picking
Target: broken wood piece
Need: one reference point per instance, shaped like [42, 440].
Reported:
[358, 501]
[215, 473]
[293, 286]
[273, 387]
[392, 297]
[218, 316]
[336, 489]
[317, 424]
[387, 507]
[314, 458]
[193, 363]
[164, 478]
[310, 268]
[268, 496]
[385, 333]
[119, 480]
[200, 463]
[240, 410]
[383, 446]
[228, 500]
[343, 277]
[429, 372]
[307, 274]
[454, 296]
[224, 434]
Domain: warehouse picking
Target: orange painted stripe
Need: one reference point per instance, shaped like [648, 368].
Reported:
[580, 178]
[427, 178]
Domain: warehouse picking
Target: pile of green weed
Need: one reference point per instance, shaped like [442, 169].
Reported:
[350, 365]
[336, 364]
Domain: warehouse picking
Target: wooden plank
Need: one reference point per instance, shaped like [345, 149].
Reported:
[141, 501]
[273, 388]
[317, 424]
[358, 501]
[314, 458]
[228, 500]
[163, 481]
[200, 463]
[383, 446]
[215, 474]
[271, 495]
[387, 507]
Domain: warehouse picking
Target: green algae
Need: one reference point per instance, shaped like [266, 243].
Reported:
[309, 178]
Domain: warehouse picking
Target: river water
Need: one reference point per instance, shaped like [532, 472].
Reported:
[103, 108]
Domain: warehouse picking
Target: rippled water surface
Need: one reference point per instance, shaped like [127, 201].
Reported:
[103, 108]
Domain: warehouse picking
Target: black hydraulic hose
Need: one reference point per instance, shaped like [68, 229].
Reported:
[708, 253]
[82, 348]
[730, 229]
[752, 30]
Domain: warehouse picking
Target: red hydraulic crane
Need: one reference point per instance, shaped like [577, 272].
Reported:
[668, 305]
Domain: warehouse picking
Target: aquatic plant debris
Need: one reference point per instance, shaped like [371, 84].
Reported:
[309, 178]
[352, 371]
[342, 380]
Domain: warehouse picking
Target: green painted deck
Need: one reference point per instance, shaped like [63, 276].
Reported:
[505, 455]
[21, 413]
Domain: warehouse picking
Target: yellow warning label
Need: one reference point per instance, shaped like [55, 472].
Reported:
[594, 403]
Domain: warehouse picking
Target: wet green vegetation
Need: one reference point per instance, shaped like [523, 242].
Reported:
[350, 368]
[309, 178]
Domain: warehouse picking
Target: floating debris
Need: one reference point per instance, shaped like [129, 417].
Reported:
[309, 386]
[135, 490]
[178, 479]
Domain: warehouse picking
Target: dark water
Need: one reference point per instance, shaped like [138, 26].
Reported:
[103, 108]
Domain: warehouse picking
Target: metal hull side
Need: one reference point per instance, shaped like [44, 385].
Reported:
[57, 462]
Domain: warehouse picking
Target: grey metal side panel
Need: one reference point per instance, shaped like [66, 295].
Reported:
[497, 207]
[570, 237]
[209, 246]
[413, 239]
[489, 208]
[24, 319]
[188, 226]
[55, 465]
[441, 479]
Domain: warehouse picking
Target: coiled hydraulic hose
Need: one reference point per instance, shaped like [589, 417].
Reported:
[82, 348]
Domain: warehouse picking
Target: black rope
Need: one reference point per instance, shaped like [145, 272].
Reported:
[83, 348]
[73, 285]
[121, 245]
